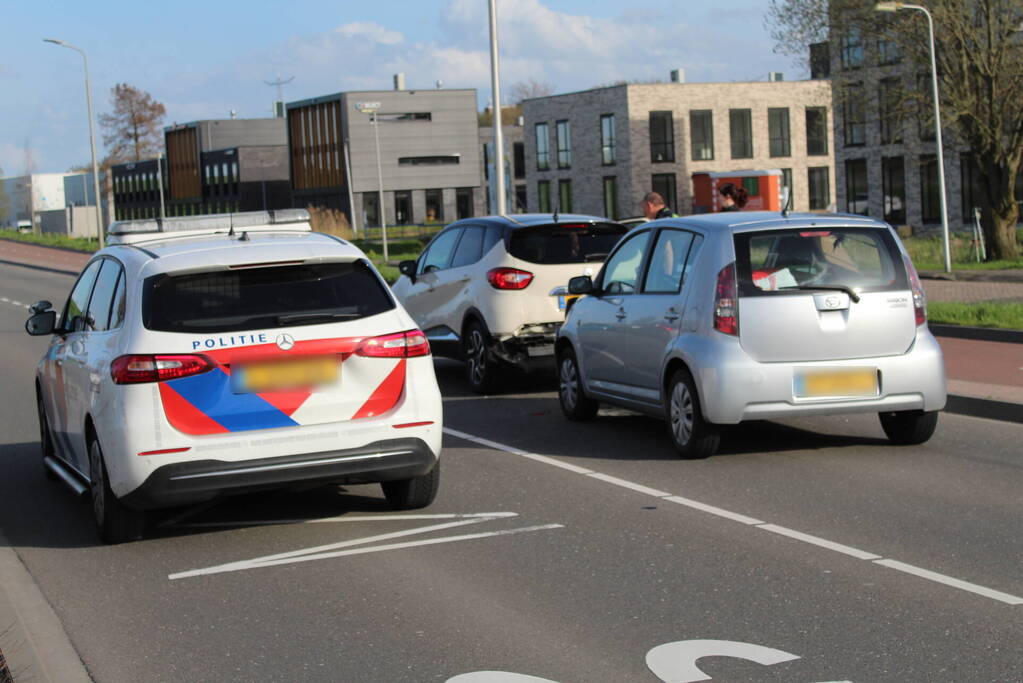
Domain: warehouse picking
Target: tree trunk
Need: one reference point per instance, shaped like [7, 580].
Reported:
[1000, 233]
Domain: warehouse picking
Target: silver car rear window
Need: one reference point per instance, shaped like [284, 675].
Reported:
[783, 261]
[262, 297]
[565, 242]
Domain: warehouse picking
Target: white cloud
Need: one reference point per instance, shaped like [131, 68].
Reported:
[373, 31]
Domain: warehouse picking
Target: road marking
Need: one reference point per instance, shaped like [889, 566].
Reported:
[750, 521]
[340, 518]
[13, 303]
[332, 550]
[676, 662]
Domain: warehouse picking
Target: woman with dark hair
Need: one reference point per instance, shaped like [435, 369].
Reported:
[733, 198]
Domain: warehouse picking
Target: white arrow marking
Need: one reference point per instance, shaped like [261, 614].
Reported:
[676, 662]
[343, 518]
[496, 677]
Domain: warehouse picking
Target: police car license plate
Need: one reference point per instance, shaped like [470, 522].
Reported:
[848, 382]
[299, 373]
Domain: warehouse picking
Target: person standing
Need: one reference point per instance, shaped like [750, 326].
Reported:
[733, 198]
[654, 207]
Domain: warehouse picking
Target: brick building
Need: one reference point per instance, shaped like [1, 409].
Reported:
[599, 151]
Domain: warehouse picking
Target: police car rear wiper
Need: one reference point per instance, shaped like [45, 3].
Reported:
[299, 318]
[831, 288]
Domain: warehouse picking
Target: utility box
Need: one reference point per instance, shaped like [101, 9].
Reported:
[764, 188]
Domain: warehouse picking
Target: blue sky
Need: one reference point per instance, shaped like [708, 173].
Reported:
[209, 58]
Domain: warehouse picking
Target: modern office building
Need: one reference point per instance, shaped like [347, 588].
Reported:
[421, 145]
[61, 197]
[213, 166]
[599, 151]
[514, 162]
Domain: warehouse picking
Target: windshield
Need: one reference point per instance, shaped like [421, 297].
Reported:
[565, 242]
[279, 296]
[858, 259]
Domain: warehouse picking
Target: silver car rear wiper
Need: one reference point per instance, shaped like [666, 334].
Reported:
[836, 288]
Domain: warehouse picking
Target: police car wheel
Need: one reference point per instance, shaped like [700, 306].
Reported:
[414, 493]
[114, 522]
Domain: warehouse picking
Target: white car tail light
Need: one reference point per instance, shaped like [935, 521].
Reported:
[509, 278]
[400, 345]
[143, 368]
[726, 311]
[919, 298]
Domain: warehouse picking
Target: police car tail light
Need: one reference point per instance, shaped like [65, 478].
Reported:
[919, 299]
[726, 311]
[509, 278]
[140, 368]
[400, 345]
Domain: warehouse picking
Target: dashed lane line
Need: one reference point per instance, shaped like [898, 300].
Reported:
[750, 521]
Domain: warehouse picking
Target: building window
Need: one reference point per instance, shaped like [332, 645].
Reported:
[370, 208]
[930, 199]
[893, 184]
[701, 134]
[741, 130]
[564, 135]
[434, 206]
[543, 147]
[432, 160]
[564, 196]
[662, 137]
[816, 131]
[607, 139]
[856, 191]
[970, 185]
[851, 46]
[519, 159]
[855, 116]
[520, 199]
[404, 118]
[925, 108]
[786, 180]
[888, 98]
[403, 207]
[778, 131]
[819, 185]
[543, 196]
[888, 52]
[664, 185]
[463, 202]
[611, 197]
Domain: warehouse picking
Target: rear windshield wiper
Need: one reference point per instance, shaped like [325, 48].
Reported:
[830, 288]
[299, 318]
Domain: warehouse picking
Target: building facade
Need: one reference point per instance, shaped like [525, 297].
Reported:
[515, 167]
[599, 151]
[422, 145]
[25, 199]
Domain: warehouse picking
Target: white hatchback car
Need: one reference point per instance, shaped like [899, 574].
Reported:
[491, 289]
[721, 318]
[203, 356]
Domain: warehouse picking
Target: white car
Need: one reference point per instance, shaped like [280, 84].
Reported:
[204, 356]
[491, 289]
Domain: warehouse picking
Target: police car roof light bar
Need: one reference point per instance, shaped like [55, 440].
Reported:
[159, 228]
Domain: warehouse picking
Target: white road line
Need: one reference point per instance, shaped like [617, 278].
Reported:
[251, 564]
[756, 523]
[341, 518]
[949, 581]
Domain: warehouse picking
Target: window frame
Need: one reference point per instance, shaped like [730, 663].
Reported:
[665, 123]
[740, 133]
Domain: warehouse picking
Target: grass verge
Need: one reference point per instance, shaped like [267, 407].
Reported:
[76, 243]
[1004, 315]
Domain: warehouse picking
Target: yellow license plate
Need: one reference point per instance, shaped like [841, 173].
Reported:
[851, 382]
[300, 373]
[565, 300]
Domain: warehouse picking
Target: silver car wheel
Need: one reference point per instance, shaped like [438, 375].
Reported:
[569, 385]
[681, 413]
[477, 356]
[98, 485]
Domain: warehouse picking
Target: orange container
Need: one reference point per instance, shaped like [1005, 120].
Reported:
[764, 188]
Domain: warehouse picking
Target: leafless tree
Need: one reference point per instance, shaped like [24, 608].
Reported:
[979, 51]
[524, 90]
[134, 130]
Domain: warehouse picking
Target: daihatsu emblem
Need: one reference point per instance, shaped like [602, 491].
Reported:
[833, 302]
[285, 342]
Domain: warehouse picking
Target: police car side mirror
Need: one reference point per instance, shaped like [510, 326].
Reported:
[581, 284]
[408, 269]
[40, 306]
[41, 324]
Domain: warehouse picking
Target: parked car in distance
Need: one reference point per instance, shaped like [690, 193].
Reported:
[717, 319]
[202, 356]
[482, 289]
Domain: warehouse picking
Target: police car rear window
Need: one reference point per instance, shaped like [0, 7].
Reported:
[565, 242]
[263, 297]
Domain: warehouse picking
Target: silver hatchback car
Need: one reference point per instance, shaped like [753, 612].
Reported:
[721, 318]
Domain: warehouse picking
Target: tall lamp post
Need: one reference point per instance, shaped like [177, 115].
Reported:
[495, 84]
[92, 133]
[895, 7]
[371, 109]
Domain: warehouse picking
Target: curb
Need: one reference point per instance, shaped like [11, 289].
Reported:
[984, 407]
[977, 333]
[48, 269]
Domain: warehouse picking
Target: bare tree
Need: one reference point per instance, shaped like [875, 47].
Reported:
[979, 50]
[524, 90]
[133, 131]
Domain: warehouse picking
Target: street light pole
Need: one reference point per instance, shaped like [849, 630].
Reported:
[894, 7]
[380, 185]
[498, 133]
[92, 133]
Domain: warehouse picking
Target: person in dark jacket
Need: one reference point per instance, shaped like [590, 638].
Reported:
[733, 198]
[654, 207]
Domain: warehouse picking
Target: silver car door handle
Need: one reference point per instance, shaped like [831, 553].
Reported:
[671, 316]
[620, 314]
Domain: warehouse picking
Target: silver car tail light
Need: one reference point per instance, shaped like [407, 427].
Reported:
[726, 312]
[919, 298]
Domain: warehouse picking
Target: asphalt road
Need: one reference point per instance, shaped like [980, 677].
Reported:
[567, 552]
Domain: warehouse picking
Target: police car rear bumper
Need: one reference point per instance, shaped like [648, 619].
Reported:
[197, 481]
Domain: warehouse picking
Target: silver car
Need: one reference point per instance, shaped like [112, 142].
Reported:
[717, 319]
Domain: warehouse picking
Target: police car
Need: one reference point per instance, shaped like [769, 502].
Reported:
[196, 357]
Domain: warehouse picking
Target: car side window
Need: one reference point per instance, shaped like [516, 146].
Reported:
[494, 234]
[470, 247]
[73, 317]
[622, 271]
[438, 254]
[98, 317]
[668, 261]
[117, 309]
